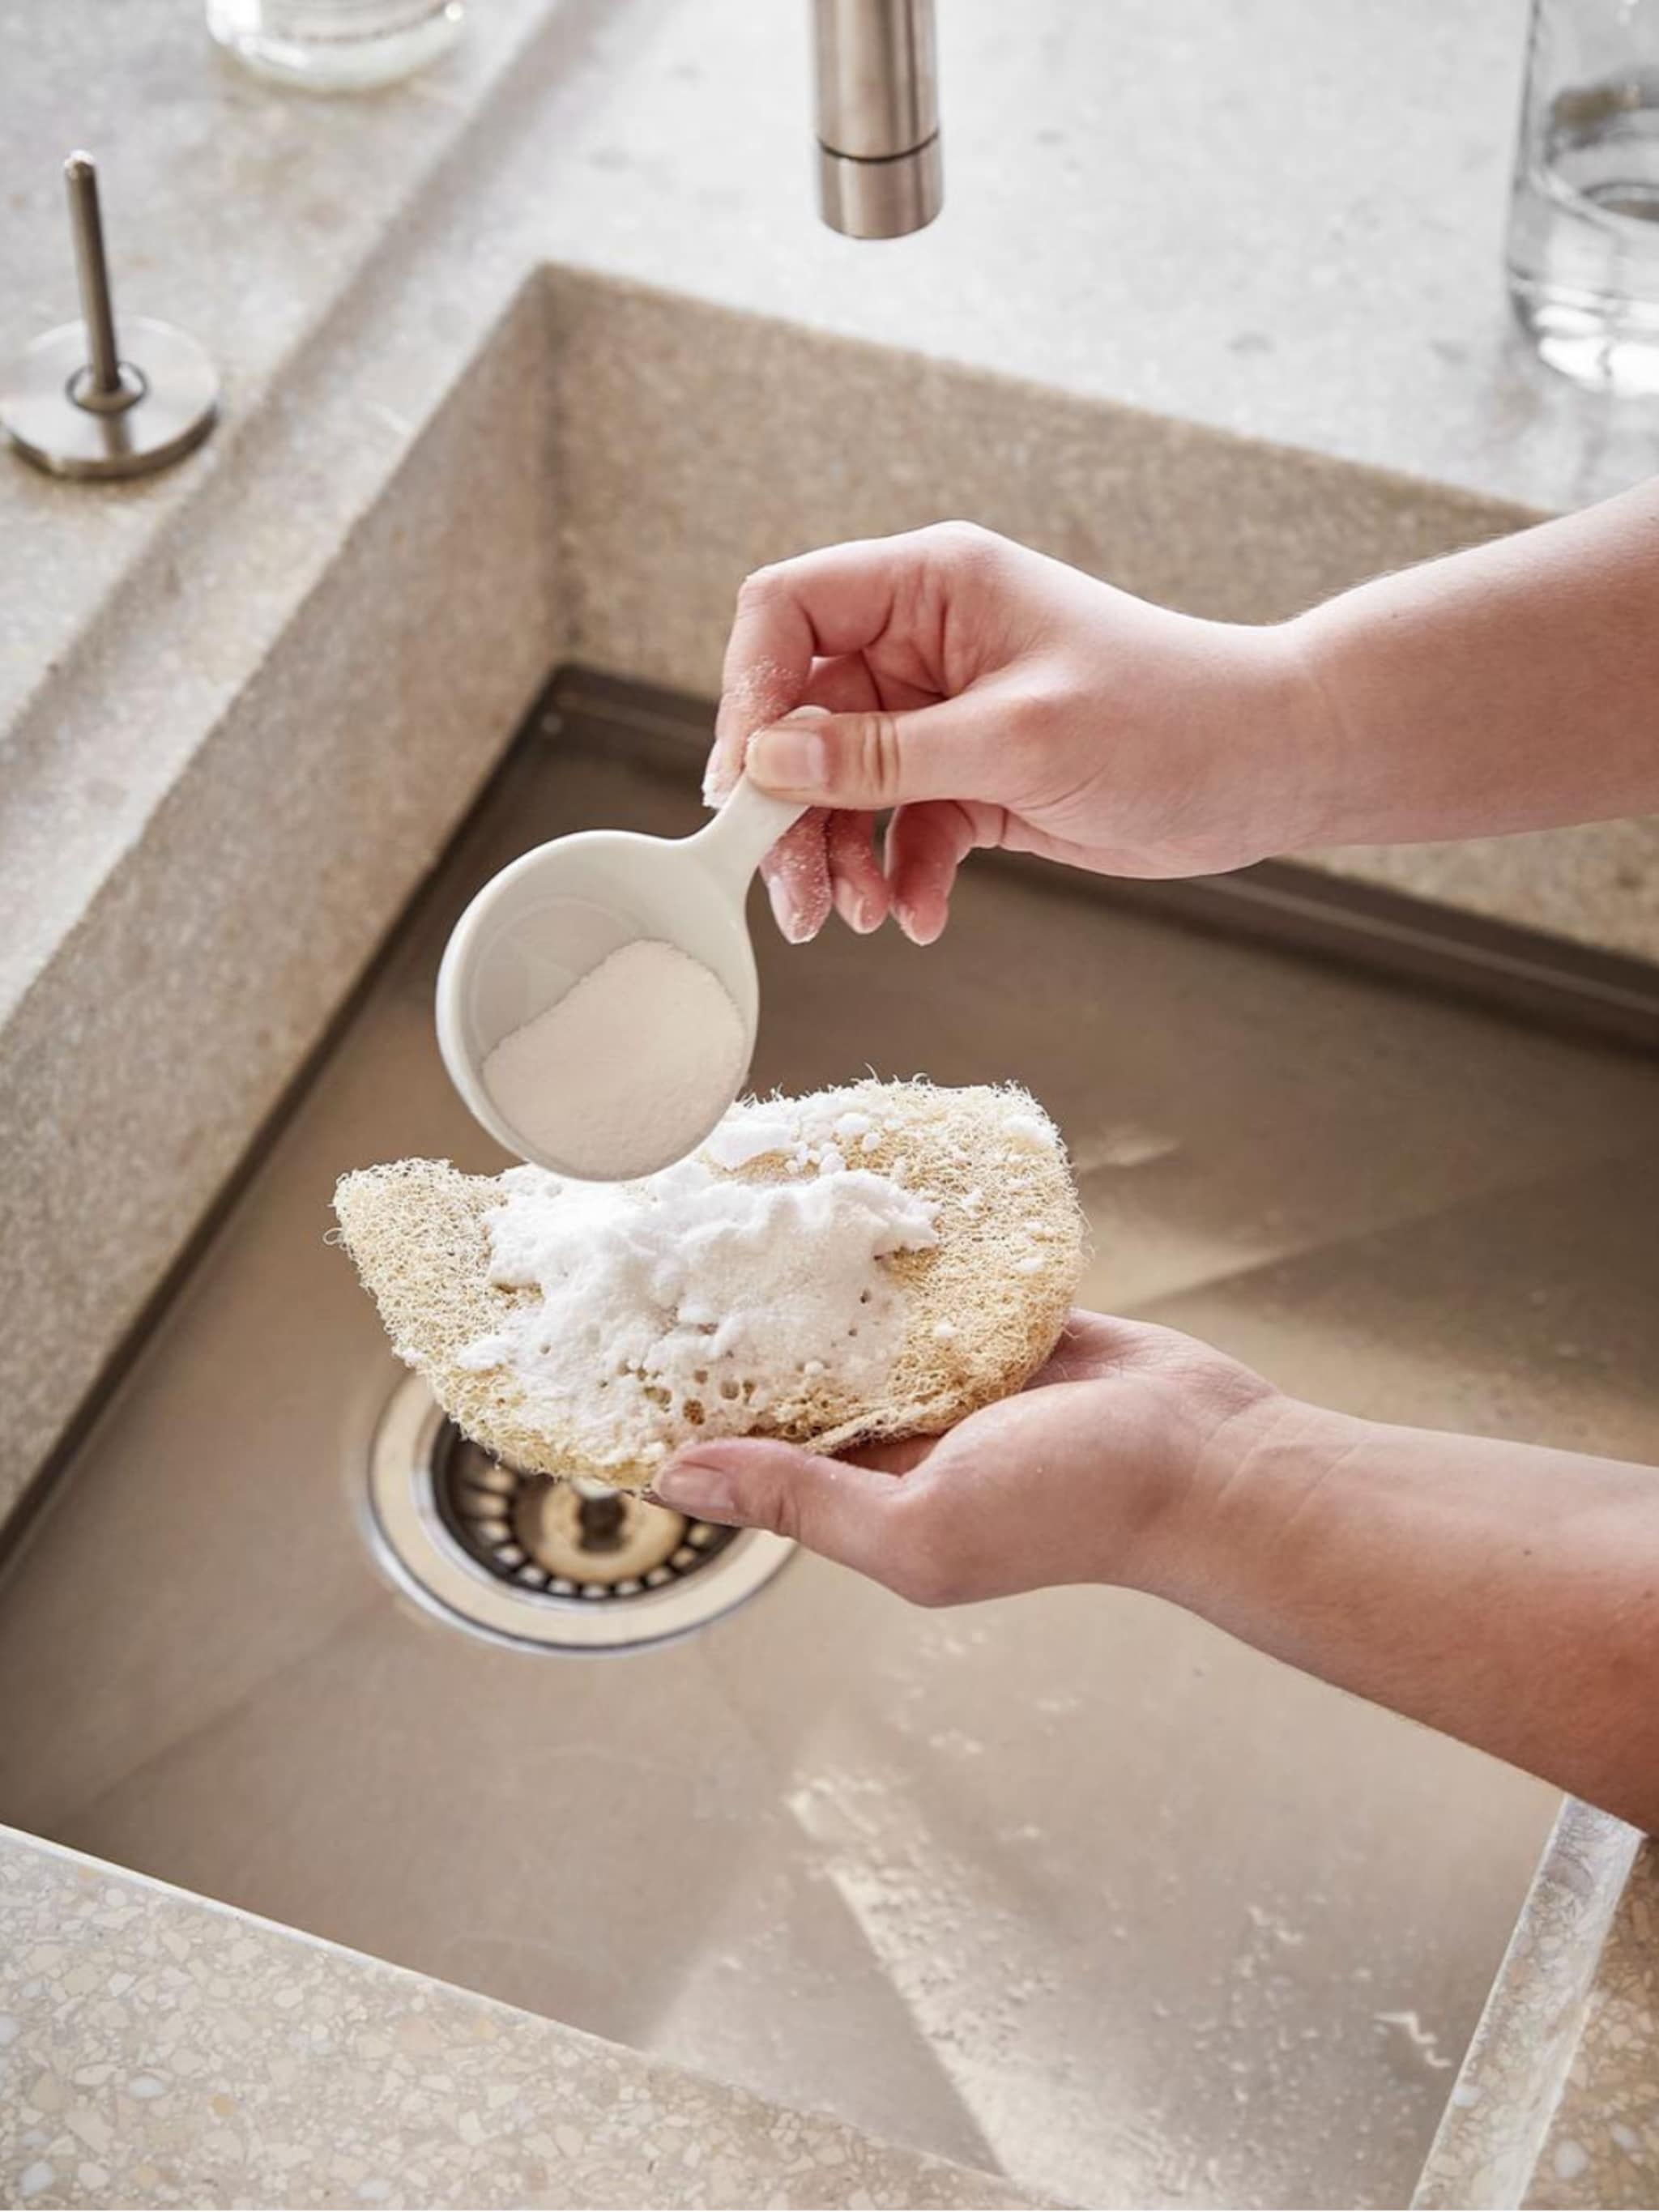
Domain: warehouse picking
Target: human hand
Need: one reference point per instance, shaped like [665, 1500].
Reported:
[1087, 1475]
[991, 696]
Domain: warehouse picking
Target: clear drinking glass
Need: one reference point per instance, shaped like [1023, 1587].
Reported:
[335, 45]
[1583, 242]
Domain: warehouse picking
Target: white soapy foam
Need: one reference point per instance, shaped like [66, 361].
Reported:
[697, 1294]
[629, 1070]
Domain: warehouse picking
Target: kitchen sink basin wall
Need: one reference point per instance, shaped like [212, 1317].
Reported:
[163, 1028]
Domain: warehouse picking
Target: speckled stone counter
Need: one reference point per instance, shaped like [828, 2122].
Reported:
[242, 706]
[1603, 2147]
[1559, 2090]
[159, 2050]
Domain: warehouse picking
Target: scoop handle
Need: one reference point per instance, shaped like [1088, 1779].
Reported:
[743, 832]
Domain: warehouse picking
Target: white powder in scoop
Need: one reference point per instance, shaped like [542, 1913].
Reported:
[698, 1295]
[629, 1070]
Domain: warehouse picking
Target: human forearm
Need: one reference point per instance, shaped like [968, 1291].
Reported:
[1507, 1594]
[1512, 687]
[984, 695]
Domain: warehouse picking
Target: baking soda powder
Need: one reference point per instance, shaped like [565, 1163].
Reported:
[630, 1071]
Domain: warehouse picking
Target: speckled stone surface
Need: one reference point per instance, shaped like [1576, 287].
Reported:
[551, 476]
[245, 700]
[240, 706]
[1349, 300]
[203, 841]
[1499, 2111]
[159, 2050]
[1603, 2147]
[1223, 527]
[723, 442]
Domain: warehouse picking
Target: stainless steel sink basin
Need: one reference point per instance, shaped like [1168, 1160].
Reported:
[1070, 1887]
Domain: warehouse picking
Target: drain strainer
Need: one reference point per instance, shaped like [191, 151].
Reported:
[555, 1566]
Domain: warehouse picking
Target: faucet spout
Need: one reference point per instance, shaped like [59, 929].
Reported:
[880, 173]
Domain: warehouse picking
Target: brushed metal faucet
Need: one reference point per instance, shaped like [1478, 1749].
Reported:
[880, 172]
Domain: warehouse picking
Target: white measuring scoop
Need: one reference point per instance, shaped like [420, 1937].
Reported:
[553, 915]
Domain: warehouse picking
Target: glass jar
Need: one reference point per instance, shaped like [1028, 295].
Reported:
[335, 45]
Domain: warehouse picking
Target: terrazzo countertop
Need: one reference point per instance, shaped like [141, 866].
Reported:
[287, 664]
[1350, 304]
[1602, 2146]
[290, 661]
[156, 2049]
[1556, 2102]
[242, 705]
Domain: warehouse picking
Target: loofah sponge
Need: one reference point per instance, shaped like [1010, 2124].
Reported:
[925, 1243]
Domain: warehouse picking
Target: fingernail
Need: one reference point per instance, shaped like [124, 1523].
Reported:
[717, 781]
[856, 907]
[790, 759]
[689, 1487]
[795, 925]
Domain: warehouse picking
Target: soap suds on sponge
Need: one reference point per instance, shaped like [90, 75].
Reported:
[627, 1071]
[700, 1294]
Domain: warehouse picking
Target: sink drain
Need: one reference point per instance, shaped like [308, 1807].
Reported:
[552, 1565]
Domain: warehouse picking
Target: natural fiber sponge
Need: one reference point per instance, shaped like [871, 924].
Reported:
[871, 1262]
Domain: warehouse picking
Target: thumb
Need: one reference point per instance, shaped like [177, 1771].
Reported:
[868, 762]
[841, 1511]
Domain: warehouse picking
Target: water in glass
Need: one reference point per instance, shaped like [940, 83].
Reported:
[335, 45]
[1584, 243]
